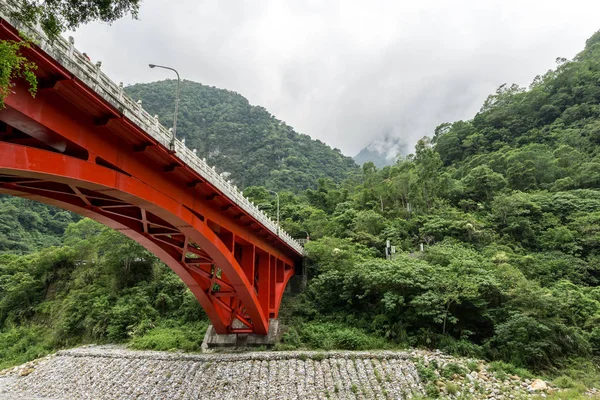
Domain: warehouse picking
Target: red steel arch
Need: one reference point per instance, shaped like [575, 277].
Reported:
[70, 148]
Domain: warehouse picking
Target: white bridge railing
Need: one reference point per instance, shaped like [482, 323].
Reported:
[69, 57]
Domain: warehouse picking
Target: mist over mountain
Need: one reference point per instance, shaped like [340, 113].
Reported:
[382, 152]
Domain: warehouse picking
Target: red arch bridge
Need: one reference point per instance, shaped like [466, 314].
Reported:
[82, 145]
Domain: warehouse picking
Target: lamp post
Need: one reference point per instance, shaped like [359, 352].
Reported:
[172, 144]
[277, 195]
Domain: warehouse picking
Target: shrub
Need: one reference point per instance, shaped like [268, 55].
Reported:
[187, 337]
[507, 368]
[526, 341]
[452, 369]
[331, 336]
[24, 343]
[564, 382]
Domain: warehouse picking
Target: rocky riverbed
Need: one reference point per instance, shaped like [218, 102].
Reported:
[112, 372]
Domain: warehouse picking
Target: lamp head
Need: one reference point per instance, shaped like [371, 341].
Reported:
[151, 65]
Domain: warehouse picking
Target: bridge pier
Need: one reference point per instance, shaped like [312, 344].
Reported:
[240, 340]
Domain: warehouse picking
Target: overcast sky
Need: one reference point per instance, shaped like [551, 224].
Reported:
[347, 72]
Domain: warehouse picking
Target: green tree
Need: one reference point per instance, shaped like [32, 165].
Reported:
[56, 16]
[14, 65]
[428, 166]
[481, 183]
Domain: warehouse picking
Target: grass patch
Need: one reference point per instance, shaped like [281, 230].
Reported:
[333, 336]
[451, 388]
[473, 365]
[170, 338]
[452, 369]
[377, 376]
[583, 372]
[432, 391]
[501, 369]
[24, 343]
[570, 394]
[576, 379]
[564, 382]
[427, 374]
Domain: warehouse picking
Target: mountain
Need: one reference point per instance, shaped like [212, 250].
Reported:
[382, 152]
[247, 141]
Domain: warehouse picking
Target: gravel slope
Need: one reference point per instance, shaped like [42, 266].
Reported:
[111, 372]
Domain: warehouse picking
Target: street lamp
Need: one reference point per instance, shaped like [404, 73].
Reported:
[172, 144]
[277, 195]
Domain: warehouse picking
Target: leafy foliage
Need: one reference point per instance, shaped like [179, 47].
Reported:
[56, 16]
[13, 66]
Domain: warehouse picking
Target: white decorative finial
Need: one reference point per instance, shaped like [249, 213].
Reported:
[98, 64]
[139, 102]
[156, 117]
[183, 141]
[71, 40]
[195, 151]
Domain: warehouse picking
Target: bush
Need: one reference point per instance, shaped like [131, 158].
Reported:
[332, 336]
[510, 369]
[130, 310]
[529, 342]
[451, 369]
[169, 338]
[21, 344]
[564, 382]
[462, 348]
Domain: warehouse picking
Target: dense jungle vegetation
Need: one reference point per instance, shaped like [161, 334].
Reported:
[507, 206]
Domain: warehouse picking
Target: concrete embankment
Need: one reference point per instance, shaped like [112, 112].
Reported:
[111, 372]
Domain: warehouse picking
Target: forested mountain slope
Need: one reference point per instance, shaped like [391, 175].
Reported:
[245, 140]
[542, 138]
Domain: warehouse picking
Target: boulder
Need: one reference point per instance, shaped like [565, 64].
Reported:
[538, 384]
[25, 371]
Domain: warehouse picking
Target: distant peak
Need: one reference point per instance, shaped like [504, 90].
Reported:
[383, 151]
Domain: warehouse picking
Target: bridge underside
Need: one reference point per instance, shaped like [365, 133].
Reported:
[75, 155]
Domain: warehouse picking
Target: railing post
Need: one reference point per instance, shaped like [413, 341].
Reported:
[98, 82]
[71, 47]
[121, 91]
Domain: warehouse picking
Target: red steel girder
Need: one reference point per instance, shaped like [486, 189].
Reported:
[71, 175]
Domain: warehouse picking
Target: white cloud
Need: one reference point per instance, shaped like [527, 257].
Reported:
[347, 72]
